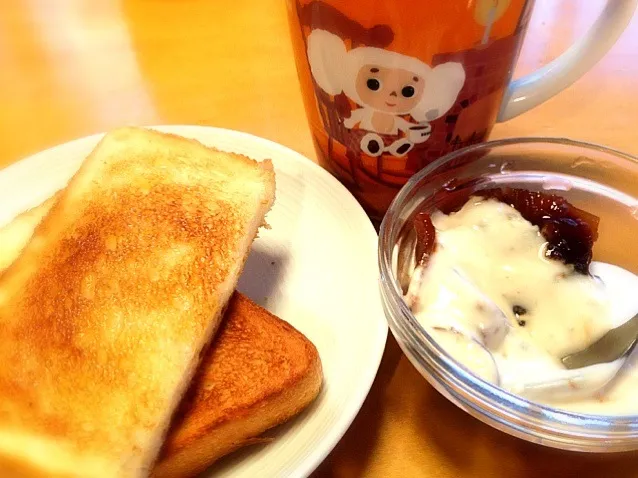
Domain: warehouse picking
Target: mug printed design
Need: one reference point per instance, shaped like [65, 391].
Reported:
[387, 87]
[383, 103]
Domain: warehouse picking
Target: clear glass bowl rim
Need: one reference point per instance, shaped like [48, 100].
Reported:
[532, 421]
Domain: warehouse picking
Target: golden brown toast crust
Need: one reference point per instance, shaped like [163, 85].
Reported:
[105, 312]
[259, 372]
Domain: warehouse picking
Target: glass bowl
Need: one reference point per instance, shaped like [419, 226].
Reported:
[594, 178]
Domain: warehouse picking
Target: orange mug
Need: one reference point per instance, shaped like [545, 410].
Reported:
[391, 85]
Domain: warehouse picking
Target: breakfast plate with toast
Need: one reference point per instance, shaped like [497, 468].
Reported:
[181, 300]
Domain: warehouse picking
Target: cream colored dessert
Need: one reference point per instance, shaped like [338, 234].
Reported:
[491, 297]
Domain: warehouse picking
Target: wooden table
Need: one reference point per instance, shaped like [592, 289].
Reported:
[69, 68]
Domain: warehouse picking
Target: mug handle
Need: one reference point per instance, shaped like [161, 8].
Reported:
[539, 86]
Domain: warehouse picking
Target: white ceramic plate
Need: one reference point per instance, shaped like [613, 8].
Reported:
[323, 281]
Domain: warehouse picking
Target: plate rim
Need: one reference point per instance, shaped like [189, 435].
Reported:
[329, 441]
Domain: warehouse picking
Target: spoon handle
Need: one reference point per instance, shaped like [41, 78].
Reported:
[611, 346]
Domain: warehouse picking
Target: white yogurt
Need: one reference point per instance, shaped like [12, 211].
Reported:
[488, 257]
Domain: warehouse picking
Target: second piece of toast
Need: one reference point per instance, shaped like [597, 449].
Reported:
[258, 373]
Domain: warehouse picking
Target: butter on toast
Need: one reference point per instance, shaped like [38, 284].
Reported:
[106, 310]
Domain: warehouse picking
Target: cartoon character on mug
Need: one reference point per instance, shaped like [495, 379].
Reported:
[386, 86]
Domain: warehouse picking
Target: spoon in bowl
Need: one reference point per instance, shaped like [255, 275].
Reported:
[615, 344]
[594, 367]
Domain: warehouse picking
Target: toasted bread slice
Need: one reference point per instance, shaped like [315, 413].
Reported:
[105, 312]
[258, 372]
